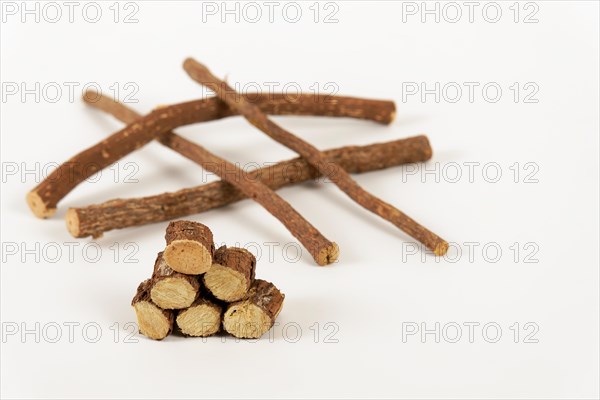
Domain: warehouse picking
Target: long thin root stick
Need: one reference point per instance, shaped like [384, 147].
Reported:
[44, 198]
[334, 172]
[94, 220]
[323, 251]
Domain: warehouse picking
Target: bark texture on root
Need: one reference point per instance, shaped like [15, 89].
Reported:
[232, 273]
[316, 158]
[255, 315]
[153, 321]
[302, 104]
[170, 289]
[190, 247]
[94, 220]
[44, 198]
[322, 250]
[202, 318]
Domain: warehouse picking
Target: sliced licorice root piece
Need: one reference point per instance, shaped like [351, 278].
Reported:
[170, 289]
[189, 248]
[255, 315]
[231, 274]
[202, 318]
[153, 321]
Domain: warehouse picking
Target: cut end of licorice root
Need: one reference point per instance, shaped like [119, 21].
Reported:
[37, 205]
[173, 293]
[441, 248]
[328, 255]
[153, 322]
[72, 220]
[189, 248]
[203, 318]
[172, 290]
[231, 273]
[253, 317]
[188, 257]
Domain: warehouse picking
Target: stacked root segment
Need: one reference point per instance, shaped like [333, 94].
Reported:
[202, 291]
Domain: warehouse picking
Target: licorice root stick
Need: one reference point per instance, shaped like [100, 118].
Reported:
[44, 198]
[96, 219]
[316, 158]
[322, 250]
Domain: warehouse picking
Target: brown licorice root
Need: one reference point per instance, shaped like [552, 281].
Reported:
[94, 220]
[316, 158]
[44, 198]
[322, 250]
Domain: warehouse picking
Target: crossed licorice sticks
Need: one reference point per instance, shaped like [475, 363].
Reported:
[334, 172]
[96, 219]
[158, 125]
[323, 251]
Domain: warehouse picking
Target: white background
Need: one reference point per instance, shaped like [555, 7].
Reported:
[379, 288]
